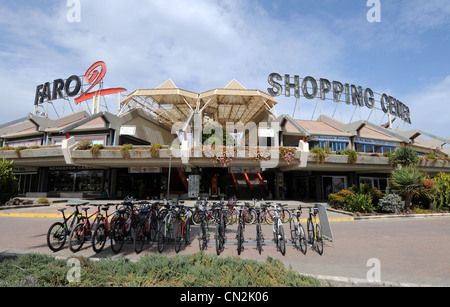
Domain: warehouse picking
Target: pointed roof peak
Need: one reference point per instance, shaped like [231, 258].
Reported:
[168, 84]
[235, 85]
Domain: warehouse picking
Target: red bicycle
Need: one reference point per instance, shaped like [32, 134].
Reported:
[102, 230]
[83, 230]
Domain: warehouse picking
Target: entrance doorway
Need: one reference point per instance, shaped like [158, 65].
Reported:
[333, 184]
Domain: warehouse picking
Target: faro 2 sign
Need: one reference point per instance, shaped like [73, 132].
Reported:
[355, 95]
[71, 87]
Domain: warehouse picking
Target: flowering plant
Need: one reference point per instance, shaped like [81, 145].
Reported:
[221, 156]
[261, 154]
[288, 154]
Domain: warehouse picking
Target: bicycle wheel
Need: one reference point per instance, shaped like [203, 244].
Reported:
[161, 237]
[319, 240]
[220, 237]
[259, 238]
[302, 239]
[227, 216]
[99, 237]
[310, 229]
[187, 232]
[294, 231]
[285, 216]
[56, 236]
[117, 235]
[249, 216]
[140, 237]
[281, 240]
[240, 237]
[77, 237]
[196, 218]
[203, 237]
[153, 231]
[179, 237]
[269, 216]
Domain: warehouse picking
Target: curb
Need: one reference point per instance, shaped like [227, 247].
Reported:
[358, 282]
[377, 217]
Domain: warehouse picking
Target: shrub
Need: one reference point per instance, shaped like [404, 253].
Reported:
[352, 155]
[84, 145]
[125, 150]
[405, 156]
[391, 203]
[367, 189]
[339, 199]
[442, 190]
[8, 184]
[17, 150]
[359, 203]
[319, 154]
[43, 200]
[6, 148]
[154, 150]
[409, 181]
[431, 157]
[96, 149]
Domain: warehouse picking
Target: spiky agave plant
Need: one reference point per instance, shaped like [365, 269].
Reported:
[409, 181]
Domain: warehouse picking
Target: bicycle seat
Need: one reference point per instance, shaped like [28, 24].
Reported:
[62, 209]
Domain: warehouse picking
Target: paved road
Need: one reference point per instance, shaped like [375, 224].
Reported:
[411, 251]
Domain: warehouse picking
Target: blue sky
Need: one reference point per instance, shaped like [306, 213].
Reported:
[204, 44]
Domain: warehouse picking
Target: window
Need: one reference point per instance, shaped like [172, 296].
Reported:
[334, 146]
[27, 143]
[95, 140]
[380, 183]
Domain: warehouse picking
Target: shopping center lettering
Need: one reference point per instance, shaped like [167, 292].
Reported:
[310, 88]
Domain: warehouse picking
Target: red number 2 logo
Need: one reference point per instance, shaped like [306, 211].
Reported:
[93, 76]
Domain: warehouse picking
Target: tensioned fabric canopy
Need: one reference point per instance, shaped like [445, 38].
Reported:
[169, 104]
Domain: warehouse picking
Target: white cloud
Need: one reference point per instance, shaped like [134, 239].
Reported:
[430, 108]
[200, 44]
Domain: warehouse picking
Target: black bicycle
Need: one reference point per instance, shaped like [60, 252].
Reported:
[200, 214]
[241, 227]
[220, 228]
[259, 232]
[58, 232]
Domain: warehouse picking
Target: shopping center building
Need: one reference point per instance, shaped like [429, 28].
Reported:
[267, 155]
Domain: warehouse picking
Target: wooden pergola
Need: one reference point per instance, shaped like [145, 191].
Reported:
[234, 103]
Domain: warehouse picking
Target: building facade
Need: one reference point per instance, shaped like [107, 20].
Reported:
[257, 154]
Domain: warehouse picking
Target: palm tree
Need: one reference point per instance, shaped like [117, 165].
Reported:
[410, 183]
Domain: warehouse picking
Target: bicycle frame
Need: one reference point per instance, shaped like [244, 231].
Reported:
[72, 216]
[278, 231]
[59, 231]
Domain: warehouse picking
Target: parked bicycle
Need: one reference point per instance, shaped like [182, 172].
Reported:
[103, 230]
[203, 237]
[184, 228]
[166, 228]
[147, 227]
[58, 232]
[259, 233]
[83, 230]
[284, 215]
[123, 226]
[277, 228]
[241, 227]
[298, 235]
[220, 228]
[315, 236]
